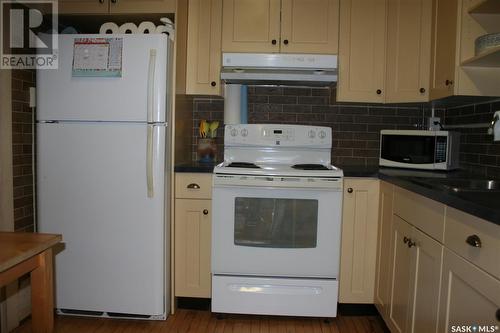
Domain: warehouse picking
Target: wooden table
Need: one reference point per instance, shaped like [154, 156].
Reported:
[22, 253]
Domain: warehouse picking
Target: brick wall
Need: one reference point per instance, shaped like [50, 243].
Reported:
[478, 152]
[22, 149]
[356, 127]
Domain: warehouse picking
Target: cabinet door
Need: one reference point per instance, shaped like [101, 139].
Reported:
[443, 48]
[83, 6]
[204, 47]
[142, 6]
[401, 274]
[383, 273]
[469, 296]
[251, 26]
[362, 51]
[408, 50]
[427, 257]
[359, 241]
[309, 26]
[192, 247]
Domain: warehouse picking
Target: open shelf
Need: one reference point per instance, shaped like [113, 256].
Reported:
[489, 58]
[485, 7]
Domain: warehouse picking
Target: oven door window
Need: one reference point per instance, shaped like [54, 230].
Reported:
[275, 223]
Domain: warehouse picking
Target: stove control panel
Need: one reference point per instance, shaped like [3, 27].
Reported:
[278, 135]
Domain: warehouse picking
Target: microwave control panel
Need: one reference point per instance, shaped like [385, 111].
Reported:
[441, 149]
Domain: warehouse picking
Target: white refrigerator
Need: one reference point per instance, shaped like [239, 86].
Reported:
[102, 172]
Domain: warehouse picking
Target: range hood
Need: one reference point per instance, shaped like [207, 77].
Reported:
[278, 68]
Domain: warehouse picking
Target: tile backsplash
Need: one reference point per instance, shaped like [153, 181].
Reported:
[356, 127]
[478, 152]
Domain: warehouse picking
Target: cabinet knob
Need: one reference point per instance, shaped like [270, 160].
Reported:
[193, 186]
[411, 243]
[101, 1]
[273, 42]
[285, 42]
[379, 91]
[448, 82]
[350, 190]
[405, 240]
[422, 90]
[205, 212]
[474, 241]
[498, 314]
[114, 1]
[213, 83]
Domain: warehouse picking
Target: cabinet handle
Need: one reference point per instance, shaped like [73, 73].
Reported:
[213, 83]
[379, 91]
[193, 186]
[448, 82]
[422, 90]
[350, 190]
[285, 42]
[205, 212]
[474, 241]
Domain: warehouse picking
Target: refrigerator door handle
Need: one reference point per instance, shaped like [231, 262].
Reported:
[149, 160]
[151, 84]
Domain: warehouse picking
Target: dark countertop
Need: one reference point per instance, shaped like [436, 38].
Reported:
[485, 205]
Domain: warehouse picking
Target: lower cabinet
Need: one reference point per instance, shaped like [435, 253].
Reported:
[426, 286]
[359, 240]
[192, 235]
[469, 296]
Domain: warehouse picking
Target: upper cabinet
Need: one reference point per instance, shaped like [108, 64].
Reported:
[115, 6]
[288, 26]
[396, 51]
[477, 74]
[204, 47]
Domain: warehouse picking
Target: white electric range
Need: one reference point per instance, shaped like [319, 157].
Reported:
[276, 222]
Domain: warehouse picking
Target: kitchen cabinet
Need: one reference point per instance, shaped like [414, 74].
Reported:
[396, 51]
[288, 26]
[192, 229]
[204, 47]
[362, 40]
[384, 249]
[477, 75]
[116, 6]
[359, 241]
[416, 273]
[469, 296]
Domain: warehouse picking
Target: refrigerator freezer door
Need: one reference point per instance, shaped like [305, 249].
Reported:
[61, 96]
[92, 188]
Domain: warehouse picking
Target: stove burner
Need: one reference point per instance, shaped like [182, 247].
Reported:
[243, 165]
[309, 167]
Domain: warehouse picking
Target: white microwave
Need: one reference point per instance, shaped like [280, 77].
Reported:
[419, 149]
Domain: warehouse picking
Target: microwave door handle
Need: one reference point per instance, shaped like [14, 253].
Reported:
[151, 85]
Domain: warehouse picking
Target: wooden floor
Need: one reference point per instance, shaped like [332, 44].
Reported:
[206, 322]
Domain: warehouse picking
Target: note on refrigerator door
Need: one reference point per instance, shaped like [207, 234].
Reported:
[97, 57]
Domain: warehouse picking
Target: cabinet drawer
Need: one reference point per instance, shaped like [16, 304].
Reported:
[460, 226]
[425, 214]
[193, 185]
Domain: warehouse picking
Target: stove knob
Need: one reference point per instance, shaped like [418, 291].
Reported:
[311, 134]
[244, 132]
[322, 134]
[234, 132]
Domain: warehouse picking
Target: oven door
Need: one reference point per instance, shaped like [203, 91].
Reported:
[273, 231]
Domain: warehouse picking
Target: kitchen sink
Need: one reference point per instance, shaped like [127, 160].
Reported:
[459, 184]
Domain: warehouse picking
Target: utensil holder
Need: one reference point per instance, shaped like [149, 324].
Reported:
[207, 150]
